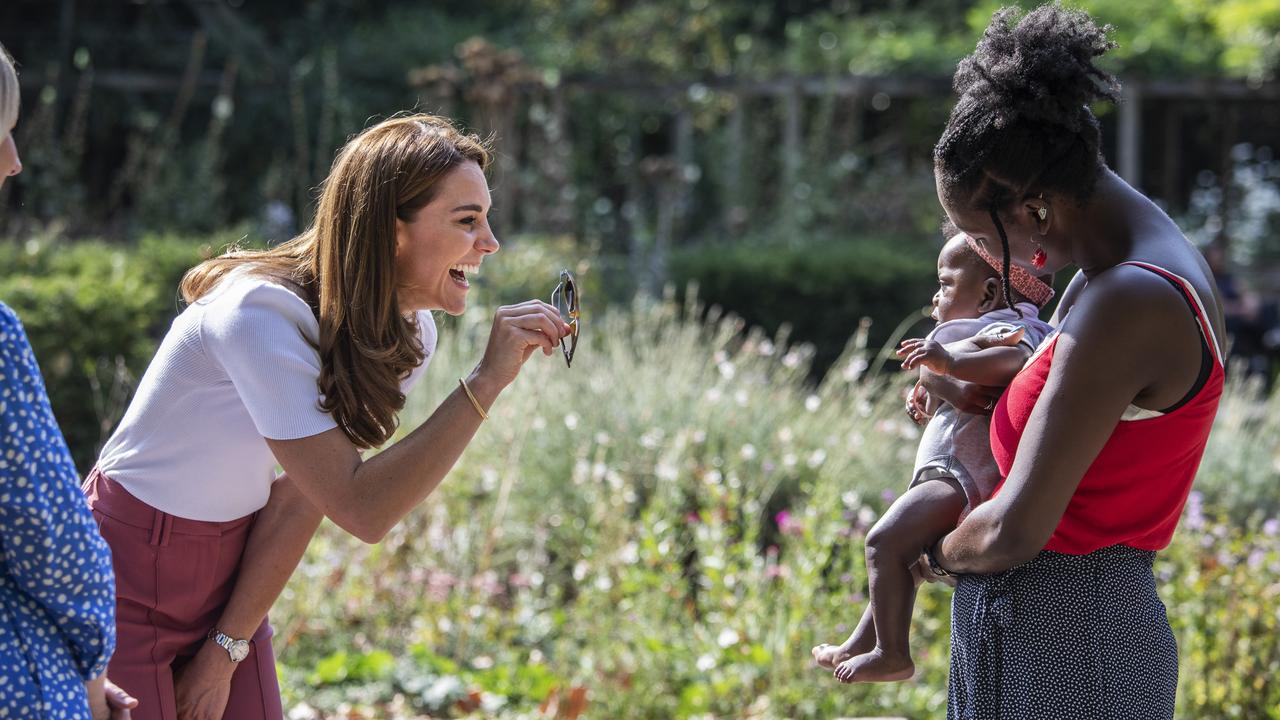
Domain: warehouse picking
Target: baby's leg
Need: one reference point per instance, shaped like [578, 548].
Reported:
[861, 640]
[918, 518]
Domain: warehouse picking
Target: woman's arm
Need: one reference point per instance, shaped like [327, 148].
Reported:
[1102, 362]
[50, 541]
[367, 497]
[276, 543]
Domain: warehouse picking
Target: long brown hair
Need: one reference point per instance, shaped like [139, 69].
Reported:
[345, 265]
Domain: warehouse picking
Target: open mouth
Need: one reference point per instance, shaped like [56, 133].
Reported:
[460, 272]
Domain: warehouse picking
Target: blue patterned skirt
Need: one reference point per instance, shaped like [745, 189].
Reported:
[1078, 637]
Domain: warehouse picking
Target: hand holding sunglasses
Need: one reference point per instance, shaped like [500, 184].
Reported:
[567, 300]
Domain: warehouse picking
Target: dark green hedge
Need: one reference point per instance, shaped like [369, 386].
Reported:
[94, 313]
[822, 289]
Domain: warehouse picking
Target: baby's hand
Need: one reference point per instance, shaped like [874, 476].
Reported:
[927, 353]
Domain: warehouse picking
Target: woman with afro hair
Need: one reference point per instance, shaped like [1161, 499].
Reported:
[1056, 612]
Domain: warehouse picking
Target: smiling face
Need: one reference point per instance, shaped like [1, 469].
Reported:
[444, 243]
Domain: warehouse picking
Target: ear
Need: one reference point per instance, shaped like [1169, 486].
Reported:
[402, 237]
[992, 295]
[1041, 213]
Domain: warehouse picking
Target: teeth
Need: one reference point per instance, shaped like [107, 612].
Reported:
[466, 269]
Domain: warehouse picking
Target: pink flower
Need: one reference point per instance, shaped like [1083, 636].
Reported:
[787, 524]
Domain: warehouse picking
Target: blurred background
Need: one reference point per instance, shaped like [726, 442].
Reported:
[745, 190]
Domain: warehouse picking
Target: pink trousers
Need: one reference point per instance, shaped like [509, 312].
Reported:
[173, 579]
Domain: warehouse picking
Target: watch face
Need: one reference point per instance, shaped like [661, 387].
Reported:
[239, 650]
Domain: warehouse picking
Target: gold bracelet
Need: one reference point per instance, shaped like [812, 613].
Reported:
[474, 402]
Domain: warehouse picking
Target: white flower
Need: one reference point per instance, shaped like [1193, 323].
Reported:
[812, 403]
[705, 663]
[571, 421]
[629, 554]
[727, 370]
[818, 457]
[785, 434]
[740, 397]
[855, 368]
[727, 638]
[866, 516]
[748, 452]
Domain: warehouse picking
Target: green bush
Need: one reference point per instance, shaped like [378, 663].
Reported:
[94, 313]
[820, 290]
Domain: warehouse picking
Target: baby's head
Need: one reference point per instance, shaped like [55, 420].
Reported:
[969, 283]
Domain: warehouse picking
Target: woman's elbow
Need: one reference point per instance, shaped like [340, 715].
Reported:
[365, 526]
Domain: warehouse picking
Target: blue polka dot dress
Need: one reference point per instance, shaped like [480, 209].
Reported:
[57, 592]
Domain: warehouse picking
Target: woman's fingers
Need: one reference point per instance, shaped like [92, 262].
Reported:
[118, 698]
[535, 306]
[532, 338]
[541, 322]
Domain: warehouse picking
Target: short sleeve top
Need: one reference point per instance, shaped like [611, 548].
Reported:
[237, 367]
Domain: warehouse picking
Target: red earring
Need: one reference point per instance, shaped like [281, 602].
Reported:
[1039, 258]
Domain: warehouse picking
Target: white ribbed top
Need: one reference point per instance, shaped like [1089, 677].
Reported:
[235, 367]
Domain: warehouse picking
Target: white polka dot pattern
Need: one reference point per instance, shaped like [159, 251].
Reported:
[57, 592]
[1083, 637]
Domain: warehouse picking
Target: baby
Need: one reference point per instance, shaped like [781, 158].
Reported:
[954, 469]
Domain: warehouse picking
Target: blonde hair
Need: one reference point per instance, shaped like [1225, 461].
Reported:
[9, 94]
[345, 265]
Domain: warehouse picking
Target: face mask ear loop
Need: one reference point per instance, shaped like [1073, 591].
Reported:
[1006, 260]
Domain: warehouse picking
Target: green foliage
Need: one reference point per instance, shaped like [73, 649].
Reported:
[95, 313]
[674, 522]
[820, 289]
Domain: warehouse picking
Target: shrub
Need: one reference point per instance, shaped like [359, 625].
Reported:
[820, 290]
[94, 313]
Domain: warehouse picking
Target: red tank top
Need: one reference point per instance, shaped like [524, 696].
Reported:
[1134, 491]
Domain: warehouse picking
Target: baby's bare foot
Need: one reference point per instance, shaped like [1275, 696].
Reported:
[875, 666]
[829, 656]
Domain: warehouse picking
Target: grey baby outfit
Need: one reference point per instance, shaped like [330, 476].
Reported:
[957, 444]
